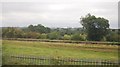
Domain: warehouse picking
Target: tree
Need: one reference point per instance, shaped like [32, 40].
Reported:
[8, 32]
[38, 28]
[31, 28]
[11, 32]
[96, 28]
[18, 33]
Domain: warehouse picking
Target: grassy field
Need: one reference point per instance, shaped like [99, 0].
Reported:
[82, 51]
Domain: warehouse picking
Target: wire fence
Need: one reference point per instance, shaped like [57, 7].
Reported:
[42, 60]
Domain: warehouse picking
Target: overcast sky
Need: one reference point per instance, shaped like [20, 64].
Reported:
[56, 13]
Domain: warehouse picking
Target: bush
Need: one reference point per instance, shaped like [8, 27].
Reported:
[54, 35]
[114, 37]
[67, 37]
[77, 36]
[43, 36]
[33, 35]
[11, 32]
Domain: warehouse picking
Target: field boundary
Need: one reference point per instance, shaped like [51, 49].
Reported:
[64, 41]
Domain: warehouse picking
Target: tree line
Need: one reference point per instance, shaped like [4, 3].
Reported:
[94, 29]
[54, 33]
[41, 32]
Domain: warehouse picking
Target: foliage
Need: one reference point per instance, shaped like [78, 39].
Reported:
[77, 36]
[43, 36]
[67, 37]
[39, 28]
[113, 36]
[96, 28]
[60, 33]
[11, 32]
[54, 35]
[33, 35]
[68, 31]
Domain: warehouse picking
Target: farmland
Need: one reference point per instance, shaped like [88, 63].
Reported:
[62, 50]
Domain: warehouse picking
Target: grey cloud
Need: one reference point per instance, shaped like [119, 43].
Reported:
[56, 13]
[59, 1]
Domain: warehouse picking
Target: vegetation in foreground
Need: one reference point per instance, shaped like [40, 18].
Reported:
[82, 51]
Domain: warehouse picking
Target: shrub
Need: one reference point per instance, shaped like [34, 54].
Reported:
[33, 35]
[54, 35]
[67, 37]
[43, 36]
[77, 36]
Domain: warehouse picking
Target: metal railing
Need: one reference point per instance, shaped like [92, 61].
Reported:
[42, 60]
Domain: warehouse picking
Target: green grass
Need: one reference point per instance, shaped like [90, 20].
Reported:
[82, 51]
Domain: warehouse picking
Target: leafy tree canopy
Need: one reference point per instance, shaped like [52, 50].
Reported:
[39, 28]
[96, 28]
